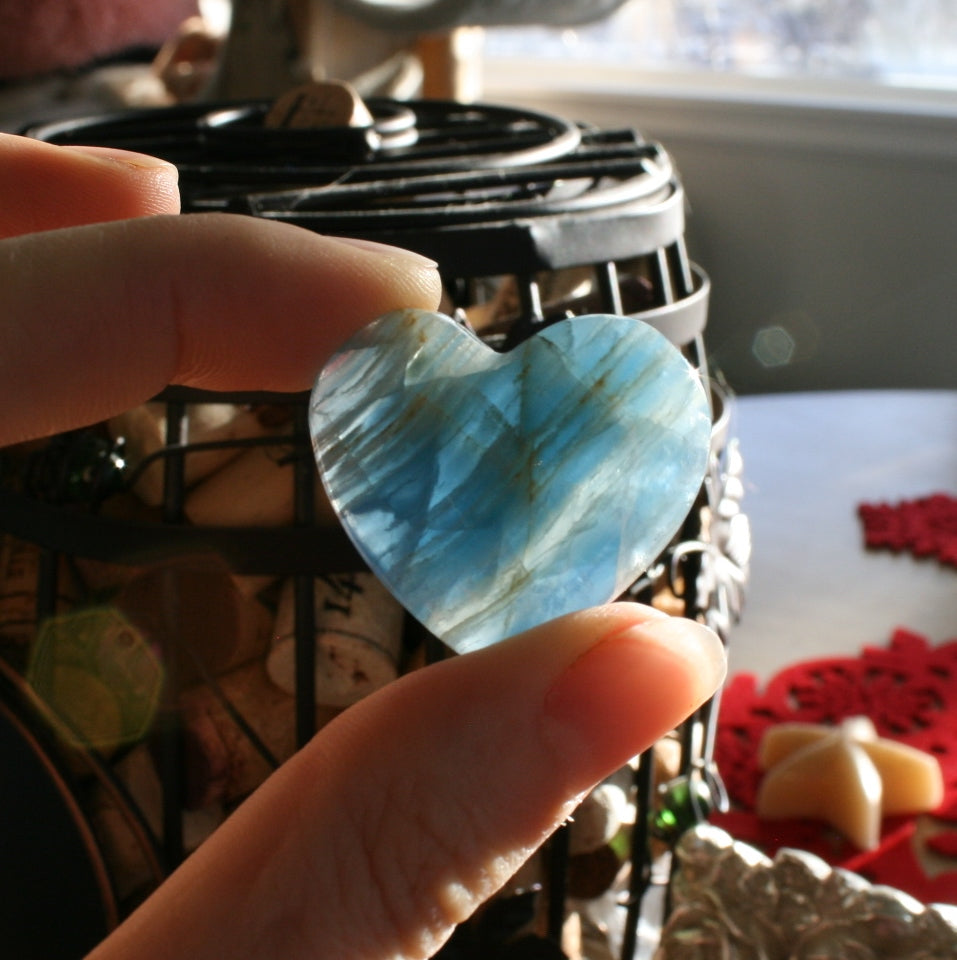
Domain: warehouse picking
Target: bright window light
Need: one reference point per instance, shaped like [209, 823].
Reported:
[898, 43]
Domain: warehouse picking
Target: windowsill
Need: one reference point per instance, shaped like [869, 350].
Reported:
[830, 215]
[838, 115]
[893, 94]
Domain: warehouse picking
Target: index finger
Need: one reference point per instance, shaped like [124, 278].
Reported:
[97, 319]
[45, 187]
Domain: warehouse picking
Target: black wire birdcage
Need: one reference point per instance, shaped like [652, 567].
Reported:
[532, 219]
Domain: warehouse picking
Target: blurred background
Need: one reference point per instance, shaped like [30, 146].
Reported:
[816, 140]
[815, 143]
[818, 146]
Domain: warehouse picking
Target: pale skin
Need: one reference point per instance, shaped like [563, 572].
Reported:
[405, 813]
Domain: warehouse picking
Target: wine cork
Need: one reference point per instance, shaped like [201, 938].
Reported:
[535, 937]
[195, 604]
[127, 848]
[665, 600]
[19, 571]
[330, 103]
[667, 759]
[237, 731]
[256, 489]
[499, 309]
[144, 430]
[534, 940]
[597, 819]
[187, 60]
[134, 870]
[572, 936]
[358, 630]
[592, 874]
[102, 579]
[19, 561]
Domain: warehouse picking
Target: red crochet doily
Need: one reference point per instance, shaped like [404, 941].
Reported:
[927, 527]
[909, 690]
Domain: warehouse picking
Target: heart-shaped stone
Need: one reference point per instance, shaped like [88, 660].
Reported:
[492, 491]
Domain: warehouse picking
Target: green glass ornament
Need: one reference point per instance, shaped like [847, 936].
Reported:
[682, 803]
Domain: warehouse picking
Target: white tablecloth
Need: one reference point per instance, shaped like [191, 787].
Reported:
[809, 460]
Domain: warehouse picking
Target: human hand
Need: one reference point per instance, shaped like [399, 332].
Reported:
[103, 305]
[405, 813]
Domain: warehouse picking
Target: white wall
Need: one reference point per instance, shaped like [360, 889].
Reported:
[829, 232]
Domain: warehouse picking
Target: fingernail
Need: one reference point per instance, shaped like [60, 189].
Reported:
[692, 641]
[649, 647]
[128, 158]
[630, 688]
[389, 251]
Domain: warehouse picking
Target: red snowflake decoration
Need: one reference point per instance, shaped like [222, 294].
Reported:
[927, 527]
[909, 691]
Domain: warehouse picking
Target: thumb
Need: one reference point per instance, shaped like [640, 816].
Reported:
[415, 805]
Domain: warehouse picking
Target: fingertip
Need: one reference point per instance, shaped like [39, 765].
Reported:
[394, 271]
[432, 791]
[151, 182]
[640, 678]
[296, 295]
[218, 302]
[126, 158]
[696, 648]
[47, 187]
[388, 252]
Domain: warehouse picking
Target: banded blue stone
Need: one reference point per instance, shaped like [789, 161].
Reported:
[492, 491]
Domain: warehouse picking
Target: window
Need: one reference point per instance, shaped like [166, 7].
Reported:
[891, 44]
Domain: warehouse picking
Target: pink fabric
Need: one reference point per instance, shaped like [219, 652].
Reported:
[41, 36]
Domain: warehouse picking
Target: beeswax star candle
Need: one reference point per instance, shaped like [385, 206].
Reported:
[846, 776]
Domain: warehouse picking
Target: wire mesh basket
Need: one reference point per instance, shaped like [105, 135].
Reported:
[186, 548]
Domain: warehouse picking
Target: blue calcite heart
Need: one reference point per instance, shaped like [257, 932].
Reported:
[494, 491]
